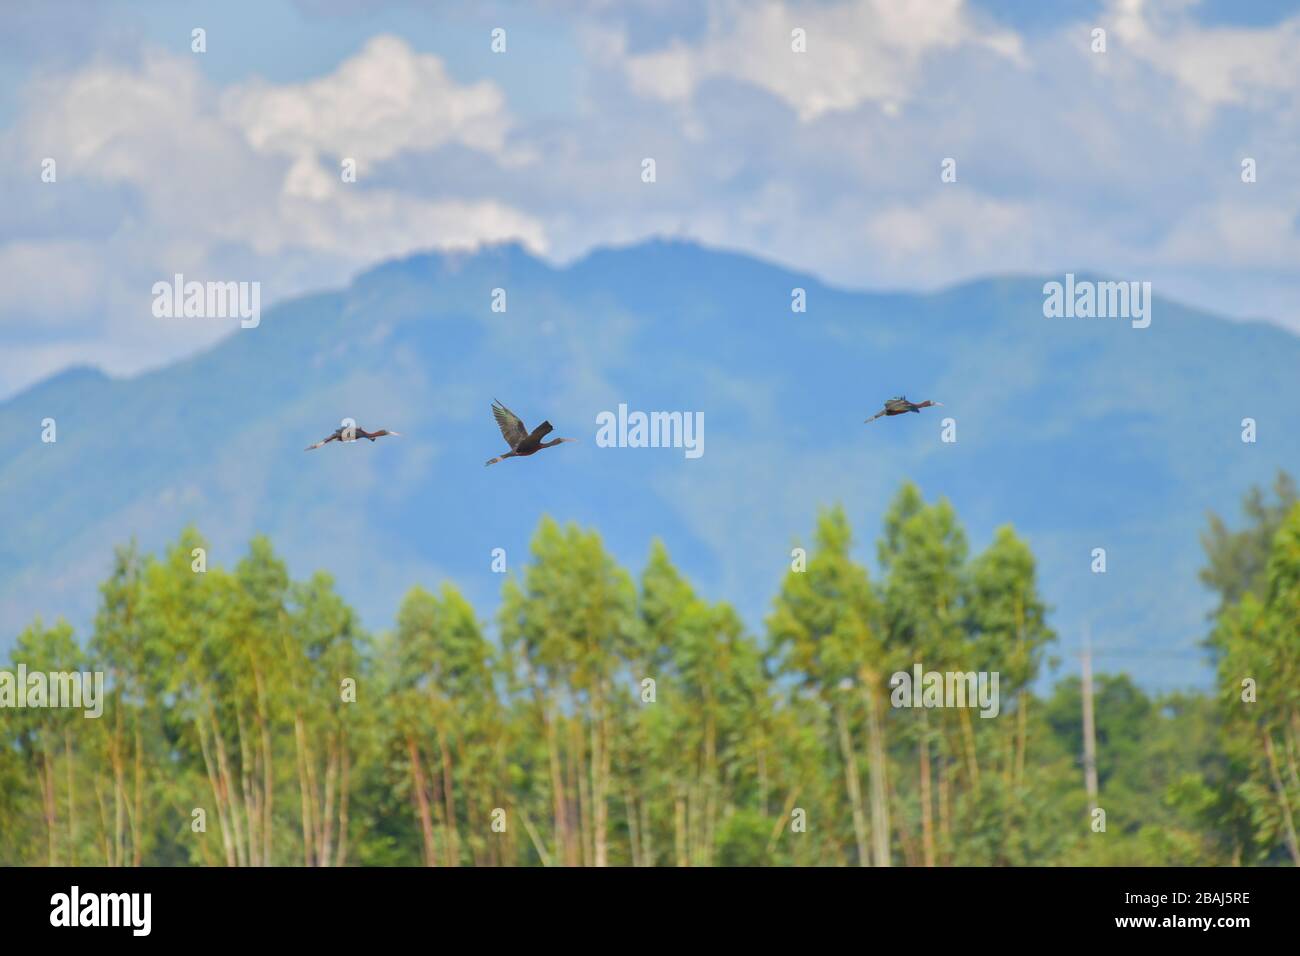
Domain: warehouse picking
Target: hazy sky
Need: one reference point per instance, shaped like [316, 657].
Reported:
[225, 165]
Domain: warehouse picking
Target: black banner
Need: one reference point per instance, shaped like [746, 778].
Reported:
[182, 906]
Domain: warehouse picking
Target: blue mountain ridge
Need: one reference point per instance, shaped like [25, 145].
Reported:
[1082, 433]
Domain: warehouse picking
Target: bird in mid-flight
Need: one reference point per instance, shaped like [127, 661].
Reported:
[522, 442]
[901, 406]
[351, 433]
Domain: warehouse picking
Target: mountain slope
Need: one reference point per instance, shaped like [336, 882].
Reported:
[1082, 433]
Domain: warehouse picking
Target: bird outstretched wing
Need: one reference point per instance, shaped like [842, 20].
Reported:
[334, 437]
[874, 417]
[512, 428]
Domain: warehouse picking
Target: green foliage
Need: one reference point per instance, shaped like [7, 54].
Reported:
[1256, 644]
[614, 721]
[1236, 561]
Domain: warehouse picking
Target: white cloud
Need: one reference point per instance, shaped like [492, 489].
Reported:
[1216, 66]
[238, 184]
[385, 100]
[953, 226]
[857, 51]
[382, 224]
[1247, 235]
[827, 161]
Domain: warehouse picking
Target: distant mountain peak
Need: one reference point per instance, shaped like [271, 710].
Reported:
[432, 263]
[74, 376]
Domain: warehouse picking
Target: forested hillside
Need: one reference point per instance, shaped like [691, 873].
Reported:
[1082, 434]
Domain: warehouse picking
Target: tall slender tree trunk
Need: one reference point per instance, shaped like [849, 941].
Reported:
[137, 798]
[421, 800]
[945, 804]
[341, 857]
[647, 833]
[47, 792]
[968, 736]
[314, 797]
[633, 830]
[304, 795]
[602, 807]
[562, 840]
[217, 787]
[927, 802]
[1283, 801]
[877, 770]
[583, 777]
[119, 773]
[72, 799]
[246, 771]
[535, 837]
[325, 844]
[710, 780]
[449, 800]
[229, 789]
[679, 827]
[852, 784]
[105, 832]
[268, 772]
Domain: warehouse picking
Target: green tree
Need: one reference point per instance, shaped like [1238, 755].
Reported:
[1236, 562]
[569, 626]
[824, 630]
[922, 553]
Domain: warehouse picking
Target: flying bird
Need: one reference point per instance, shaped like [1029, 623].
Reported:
[521, 441]
[901, 406]
[351, 434]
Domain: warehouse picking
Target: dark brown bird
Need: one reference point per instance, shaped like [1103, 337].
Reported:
[351, 433]
[901, 406]
[521, 441]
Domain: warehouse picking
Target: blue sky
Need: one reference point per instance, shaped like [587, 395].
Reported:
[225, 164]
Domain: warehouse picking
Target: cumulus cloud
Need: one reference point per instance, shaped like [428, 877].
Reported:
[1216, 65]
[827, 161]
[857, 51]
[385, 100]
[241, 183]
[1248, 235]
